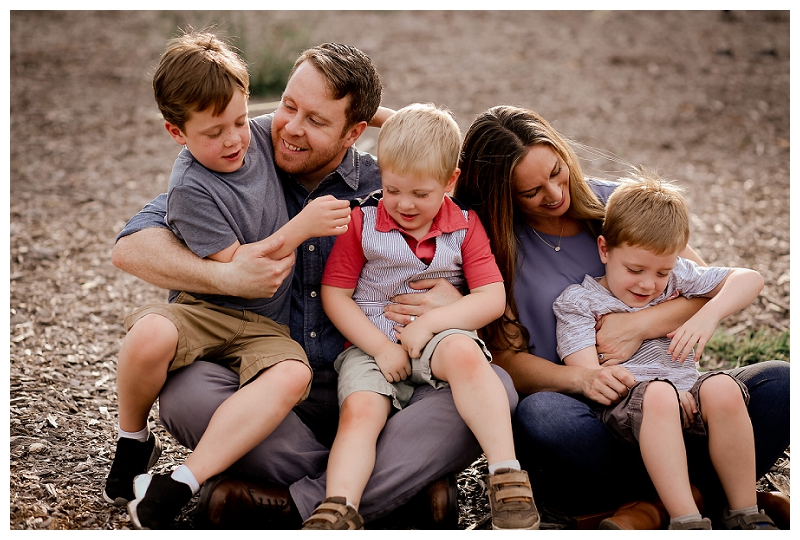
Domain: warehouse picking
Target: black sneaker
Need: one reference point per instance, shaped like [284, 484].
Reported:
[159, 500]
[131, 459]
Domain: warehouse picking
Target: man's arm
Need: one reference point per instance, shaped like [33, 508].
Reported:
[156, 256]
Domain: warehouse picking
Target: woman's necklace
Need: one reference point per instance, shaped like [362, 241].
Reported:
[556, 248]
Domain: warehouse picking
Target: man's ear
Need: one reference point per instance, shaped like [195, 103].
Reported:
[602, 248]
[175, 133]
[352, 134]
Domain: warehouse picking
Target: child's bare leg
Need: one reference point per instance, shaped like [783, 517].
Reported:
[352, 456]
[479, 395]
[663, 451]
[247, 417]
[730, 439]
[144, 358]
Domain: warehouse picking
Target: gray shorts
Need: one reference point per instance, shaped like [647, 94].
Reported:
[624, 419]
[358, 371]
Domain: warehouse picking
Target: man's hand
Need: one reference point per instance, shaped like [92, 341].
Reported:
[607, 385]
[252, 273]
[394, 363]
[438, 292]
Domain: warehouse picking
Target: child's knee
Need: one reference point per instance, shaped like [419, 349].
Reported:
[152, 340]
[660, 397]
[362, 409]
[462, 353]
[294, 375]
[720, 392]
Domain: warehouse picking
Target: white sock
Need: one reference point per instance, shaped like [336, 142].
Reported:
[743, 511]
[685, 519]
[512, 464]
[184, 475]
[142, 435]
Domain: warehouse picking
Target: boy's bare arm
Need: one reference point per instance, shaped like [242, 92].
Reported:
[324, 216]
[354, 325]
[739, 288]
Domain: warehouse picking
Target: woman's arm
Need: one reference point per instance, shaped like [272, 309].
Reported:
[619, 335]
[156, 256]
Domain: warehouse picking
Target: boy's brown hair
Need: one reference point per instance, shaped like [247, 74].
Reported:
[420, 140]
[198, 70]
[649, 212]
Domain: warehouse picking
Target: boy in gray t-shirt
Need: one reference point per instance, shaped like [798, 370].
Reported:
[220, 198]
[645, 229]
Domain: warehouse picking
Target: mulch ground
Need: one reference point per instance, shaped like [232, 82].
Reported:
[701, 96]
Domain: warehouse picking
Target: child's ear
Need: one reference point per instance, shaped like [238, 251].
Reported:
[602, 248]
[452, 182]
[175, 133]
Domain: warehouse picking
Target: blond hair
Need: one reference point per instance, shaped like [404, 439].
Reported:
[197, 71]
[420, 140]
[647, 211]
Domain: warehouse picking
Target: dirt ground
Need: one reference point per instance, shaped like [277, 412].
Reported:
[702, 96]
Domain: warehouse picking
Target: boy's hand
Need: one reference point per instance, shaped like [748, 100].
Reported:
[695, 331]
[394, 362]
[414, 337]
[689, 406]
[325, 216]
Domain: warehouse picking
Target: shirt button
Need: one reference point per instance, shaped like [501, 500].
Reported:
[311, 248]
[313, 334]
[313, 294]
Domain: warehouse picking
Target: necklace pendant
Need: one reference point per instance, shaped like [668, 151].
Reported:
[557, 248]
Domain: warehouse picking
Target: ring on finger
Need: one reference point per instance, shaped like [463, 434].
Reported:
[413, 318]
[600, 356]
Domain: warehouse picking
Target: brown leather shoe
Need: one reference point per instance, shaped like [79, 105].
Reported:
[644, 515]
[436, 507]
[637, 515]
[776, 505]
[230, 503]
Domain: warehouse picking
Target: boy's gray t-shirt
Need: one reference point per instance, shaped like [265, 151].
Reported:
[579, 307]
[209, 211]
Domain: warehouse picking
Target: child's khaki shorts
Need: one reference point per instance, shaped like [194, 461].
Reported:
[242, 340]
[625, 418]
[358, 371]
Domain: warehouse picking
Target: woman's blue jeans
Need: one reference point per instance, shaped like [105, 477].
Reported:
[578, 466]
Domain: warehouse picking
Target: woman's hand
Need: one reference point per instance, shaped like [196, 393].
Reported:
[439, 293]
[607, 385]
[617, 339]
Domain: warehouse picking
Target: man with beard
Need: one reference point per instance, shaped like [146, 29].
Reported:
[333, 92]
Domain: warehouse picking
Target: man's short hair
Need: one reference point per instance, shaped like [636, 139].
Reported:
[349, 72]
[420, 140]
[649, 212]
[197, 71]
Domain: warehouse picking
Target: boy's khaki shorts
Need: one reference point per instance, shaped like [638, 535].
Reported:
[358, 371]
[625, 418]
[244, 341]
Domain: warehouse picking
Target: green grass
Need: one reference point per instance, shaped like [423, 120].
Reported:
[269, 41]
[725, 351]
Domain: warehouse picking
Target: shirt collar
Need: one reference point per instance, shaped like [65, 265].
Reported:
[449, 219]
